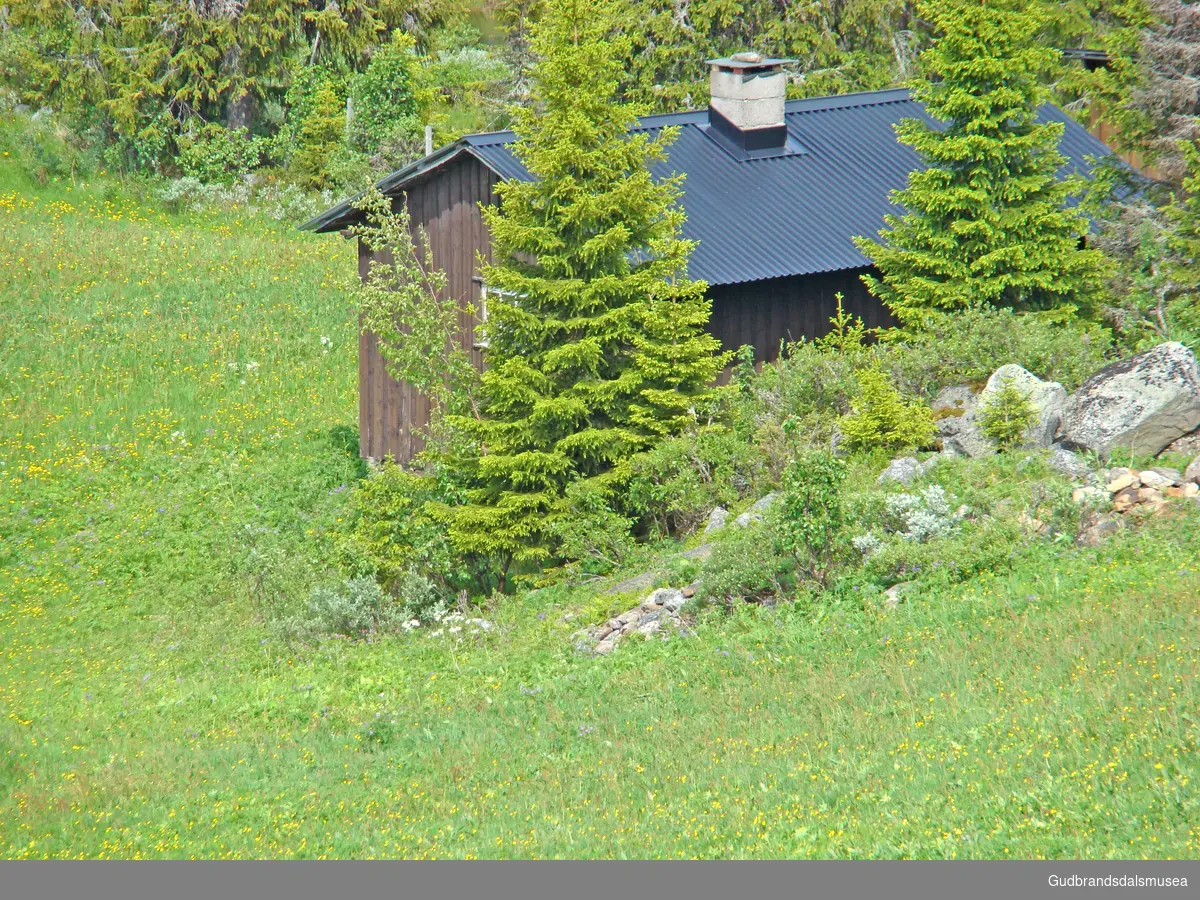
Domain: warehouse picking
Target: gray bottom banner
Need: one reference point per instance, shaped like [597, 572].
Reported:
[692, 880]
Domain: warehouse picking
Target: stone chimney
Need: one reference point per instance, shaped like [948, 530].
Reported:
[747, 95]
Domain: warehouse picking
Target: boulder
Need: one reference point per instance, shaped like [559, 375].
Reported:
[716, 519]
[1192, 472]
[1067, 463]
[1047, 398]
[756, 512]
[905, 470]
[954, 409]
[1140, 404]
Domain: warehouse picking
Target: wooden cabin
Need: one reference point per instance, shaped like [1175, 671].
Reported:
[775, 192]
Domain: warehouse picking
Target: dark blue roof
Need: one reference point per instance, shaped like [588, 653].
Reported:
[793, 214]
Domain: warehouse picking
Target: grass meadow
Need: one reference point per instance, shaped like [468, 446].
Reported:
[177, 415]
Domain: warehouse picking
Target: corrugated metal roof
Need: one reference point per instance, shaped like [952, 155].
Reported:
[768, 218]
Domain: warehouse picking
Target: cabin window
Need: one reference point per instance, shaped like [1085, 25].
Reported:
[481, 312]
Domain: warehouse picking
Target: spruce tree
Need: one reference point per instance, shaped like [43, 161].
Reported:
[985, 222]
[596, 345]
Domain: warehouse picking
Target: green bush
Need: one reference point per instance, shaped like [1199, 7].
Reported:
[1005, 416]
[359, 610]
[218, 155]
[969, 345]
[388, 102]
[390, 537]
[746, 564]
[809, 384]
[590, 533]
[989, 546]
[673, 486]
[882, 418]
[809, 515]
[46, 148]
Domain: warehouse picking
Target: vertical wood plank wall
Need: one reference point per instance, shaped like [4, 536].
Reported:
[391, 413]
[762, 313]
[446, 207]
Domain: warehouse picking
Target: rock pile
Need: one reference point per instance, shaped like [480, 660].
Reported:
[655, 615]
[1129, 488]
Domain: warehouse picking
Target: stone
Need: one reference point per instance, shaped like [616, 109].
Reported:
[671, 599]
[1047, 398]
[1154, 479]
[1149, 495]
[954, 410]
[952, 401]
[636, 584]
[601, 633]
[630, 619]
[1138, 405]
[1068, 463]
[904, 469]
[1188, 445]
[1096, 534]
[1124, 480]
[1125, 500]
[650, 628]
[716, 519]
[699, 554]
[1192, 472]
[756, 512]
[1037, 526]
[1190, 489]
[606, 647]
[891, 597]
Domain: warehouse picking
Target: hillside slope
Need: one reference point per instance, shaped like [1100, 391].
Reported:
[176, 441]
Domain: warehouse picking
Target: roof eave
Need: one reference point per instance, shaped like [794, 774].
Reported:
[344, 213]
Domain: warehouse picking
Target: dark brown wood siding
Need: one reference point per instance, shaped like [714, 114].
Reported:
[763, 313]
[446, 208]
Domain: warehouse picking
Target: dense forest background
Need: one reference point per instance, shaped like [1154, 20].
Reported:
[326, 95]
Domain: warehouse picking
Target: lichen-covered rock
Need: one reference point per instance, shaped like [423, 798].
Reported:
[955, 409]
[905, 470]
[716, 519]
[1046, 397]
[1067, 463]
[756, 512]
[1140, 404]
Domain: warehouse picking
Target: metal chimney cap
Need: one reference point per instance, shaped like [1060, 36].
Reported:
[747, 62]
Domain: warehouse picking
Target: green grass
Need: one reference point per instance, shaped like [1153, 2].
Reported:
[164, 502]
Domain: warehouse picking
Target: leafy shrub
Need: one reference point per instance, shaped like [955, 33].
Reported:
[214, 154]
[882, 418]
[674, 485]
[45, 147]
[808, 385]
[924, 516]
[809, 515]
[590, 532]
[1006, 415]
[390, 537]
[973, 343]
[987, 546]
[746, 564]
[387, 100]
[359, 609]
